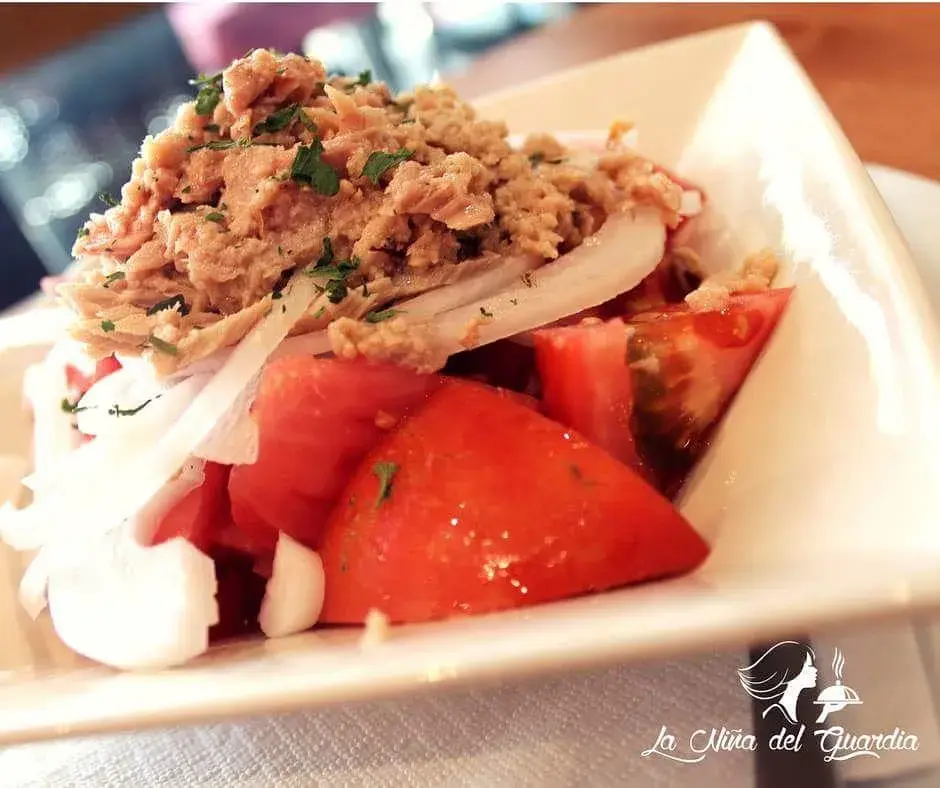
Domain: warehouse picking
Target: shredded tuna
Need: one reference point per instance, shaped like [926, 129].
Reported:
[398, 341]
[756, 274]
[223, 206]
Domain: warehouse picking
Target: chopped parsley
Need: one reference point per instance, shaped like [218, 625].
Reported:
[107, 326]
[82, 232]
[173, 302]
[215, 216]
[219, 145]
[277, 294]
[538, 157]
[319, 313]
[378, 162]
[278, 120]
[339, 271]
[308, 168]
[514, 301]
[527, 279]
[385, 472]
[163, 346]
[68, 407]
[210, 93]
[380, 315]
[117, 276]
[117, 410]
[326, 255]
[364, 78]
[485, 312]
[108, 199]
[336, 290]
[186, 190]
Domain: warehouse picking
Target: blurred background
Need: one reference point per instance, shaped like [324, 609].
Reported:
[82, 84]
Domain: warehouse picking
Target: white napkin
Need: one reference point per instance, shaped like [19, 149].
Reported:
[581, 729]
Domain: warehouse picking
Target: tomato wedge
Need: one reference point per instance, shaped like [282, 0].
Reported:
[317, 419]
[687, 366]
[476, 504]
[587, 384]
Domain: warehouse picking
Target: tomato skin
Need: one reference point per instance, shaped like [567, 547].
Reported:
[493, 506]
[317, 419]
[587, 384]
[200, 513]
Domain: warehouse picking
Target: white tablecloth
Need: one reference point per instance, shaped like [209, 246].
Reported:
[582, 729]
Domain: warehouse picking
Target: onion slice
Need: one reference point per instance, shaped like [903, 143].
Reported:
[617, 258]
[101, 494]
[293, 596]
[130, 606]
[443, 299]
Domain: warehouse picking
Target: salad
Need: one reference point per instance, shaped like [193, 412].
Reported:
[336, 354]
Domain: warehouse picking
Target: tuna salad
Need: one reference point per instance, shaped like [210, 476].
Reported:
[277, 167]
[337, 355]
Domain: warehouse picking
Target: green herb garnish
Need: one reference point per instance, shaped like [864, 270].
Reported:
[336, 290]
[82, 232]
[117, 276]
[219, 145]
[319, 313]
[379, 162]
[527, 279]
[215, 216]
[163, 346]
[308, 168]
[68, 407]
[278, 120]
[326, 253]
[385, 473]
[117, 410]
[364, 78]
[380, 315]
[210, 93]
[186, 190]
[107, 326]
[173, 302]
[108, 199]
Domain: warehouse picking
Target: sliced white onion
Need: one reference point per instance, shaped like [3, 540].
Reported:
[135, 607]
[443, 299]
[293, 596]
[625, 250]
[234, 439]
[100, 495]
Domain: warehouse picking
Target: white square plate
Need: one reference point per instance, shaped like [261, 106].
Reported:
[819, 494]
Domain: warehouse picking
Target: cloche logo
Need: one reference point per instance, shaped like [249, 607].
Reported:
[777, 679]
[787, 669]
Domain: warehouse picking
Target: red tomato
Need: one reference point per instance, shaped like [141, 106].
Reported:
[200, 513]
[492, 506]
[317, 419]
[79, 383]
[687, 367]
[586, 384]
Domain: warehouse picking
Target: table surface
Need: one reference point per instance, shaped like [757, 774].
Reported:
[876, 66]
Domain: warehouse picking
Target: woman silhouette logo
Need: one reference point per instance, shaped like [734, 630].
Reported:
[781, 674]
